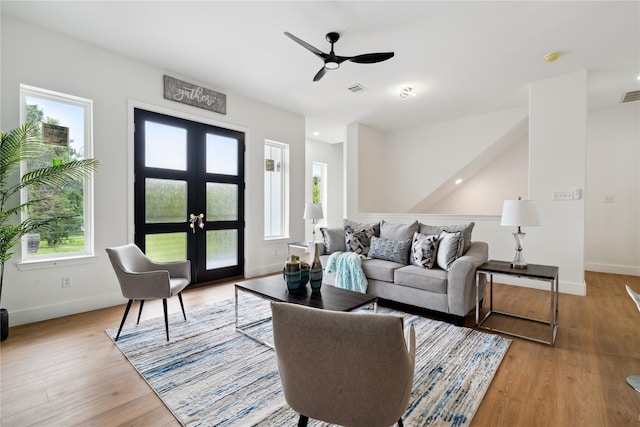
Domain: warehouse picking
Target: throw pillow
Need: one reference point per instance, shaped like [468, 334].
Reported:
[333, 240]
[424, 250]
[358, 240]
[466, 230]
[390, 250]
[450, 249]
[360, 226]
[398, 231]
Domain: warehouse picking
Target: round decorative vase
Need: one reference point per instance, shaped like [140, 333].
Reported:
[292, 273]
[315, 275]
[305, 270]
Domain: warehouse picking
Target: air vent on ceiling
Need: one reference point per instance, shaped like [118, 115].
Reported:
[357, 88]
[634, 95]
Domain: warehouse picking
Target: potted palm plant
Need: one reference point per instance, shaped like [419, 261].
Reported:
[16, 146]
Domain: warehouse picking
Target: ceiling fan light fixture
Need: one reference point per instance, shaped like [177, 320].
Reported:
[331, 65]
[407, 92]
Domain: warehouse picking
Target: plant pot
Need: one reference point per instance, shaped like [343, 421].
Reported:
[4, 324]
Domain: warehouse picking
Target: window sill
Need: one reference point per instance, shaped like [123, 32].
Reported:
[55, 262]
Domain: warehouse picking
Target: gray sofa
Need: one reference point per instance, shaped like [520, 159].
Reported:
[448, 286]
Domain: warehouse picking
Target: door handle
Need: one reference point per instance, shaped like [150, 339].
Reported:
[196, 218]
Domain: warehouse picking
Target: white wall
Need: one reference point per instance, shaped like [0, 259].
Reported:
[507, 177]
[36, 57]
[331, 154]
[437, 153]
[612, 238]
[557, 155]
[598, 152]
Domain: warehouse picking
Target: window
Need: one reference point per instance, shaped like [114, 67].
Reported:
[276, 190]
[65, 124]
[319, 189]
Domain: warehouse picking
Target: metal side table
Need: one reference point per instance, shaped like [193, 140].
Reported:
[546, 273]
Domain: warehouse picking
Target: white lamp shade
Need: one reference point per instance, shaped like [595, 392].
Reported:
[520, 213]
[313, 211]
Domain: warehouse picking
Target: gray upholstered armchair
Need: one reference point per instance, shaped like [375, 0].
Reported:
[351, 369]
[141, 278]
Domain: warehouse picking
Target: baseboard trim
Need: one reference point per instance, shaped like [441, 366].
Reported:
[67, 308]
[626, 270]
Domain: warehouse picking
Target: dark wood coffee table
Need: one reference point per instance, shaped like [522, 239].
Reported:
[273, 288]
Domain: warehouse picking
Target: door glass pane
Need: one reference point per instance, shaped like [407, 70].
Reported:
[222, 248]
[166, 246]
[222, 155]
[222, 202]
[166, 200]
[165, 146]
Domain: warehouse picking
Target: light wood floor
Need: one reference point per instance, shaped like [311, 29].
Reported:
[66, 371]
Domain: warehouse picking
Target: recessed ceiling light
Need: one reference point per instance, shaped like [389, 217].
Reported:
[638, 77]
[407, 92]
[316, 133]
[458, 181]
[551, 57]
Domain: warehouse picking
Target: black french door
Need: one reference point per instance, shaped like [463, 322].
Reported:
[189, 194]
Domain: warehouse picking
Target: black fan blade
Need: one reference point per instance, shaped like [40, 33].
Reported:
[371, 58]
[306, 45]
[319, 75]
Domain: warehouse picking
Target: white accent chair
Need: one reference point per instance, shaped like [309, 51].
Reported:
[351, 369]
[141, 278]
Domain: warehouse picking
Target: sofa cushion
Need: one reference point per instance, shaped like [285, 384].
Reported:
[432, 280]
[360, 226]
[380, 269]
[424, 250]
[390, 250]
[398, 231]
[449, 249]
[333, 240]
[358, 240]
[466, 230]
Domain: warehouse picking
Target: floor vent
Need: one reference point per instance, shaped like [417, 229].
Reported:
[631, 96]
[357, 88]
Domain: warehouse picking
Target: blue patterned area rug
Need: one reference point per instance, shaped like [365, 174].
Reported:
[210, 375]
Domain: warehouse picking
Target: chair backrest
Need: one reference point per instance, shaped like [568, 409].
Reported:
[350, 369]
[129, 258]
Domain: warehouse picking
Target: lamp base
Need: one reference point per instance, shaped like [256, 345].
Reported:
[518, 260]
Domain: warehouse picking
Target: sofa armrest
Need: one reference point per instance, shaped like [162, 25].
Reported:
[461, 292]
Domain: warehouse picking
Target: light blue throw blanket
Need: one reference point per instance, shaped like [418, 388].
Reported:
[347, 266]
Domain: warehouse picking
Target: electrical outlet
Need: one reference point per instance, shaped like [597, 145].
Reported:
[562, 195]
[609, 199]
[66, 281]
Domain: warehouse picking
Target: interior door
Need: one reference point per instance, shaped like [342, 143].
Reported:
[189, 194]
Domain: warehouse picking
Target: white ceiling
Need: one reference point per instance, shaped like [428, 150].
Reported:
[461, 58]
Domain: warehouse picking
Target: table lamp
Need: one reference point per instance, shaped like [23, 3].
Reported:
[313, 211]
[519, 213]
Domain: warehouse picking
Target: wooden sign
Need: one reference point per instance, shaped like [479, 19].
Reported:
[194, 95]
[55, 135]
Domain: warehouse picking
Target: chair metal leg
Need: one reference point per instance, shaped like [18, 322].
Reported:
[302, 422]
[126, 311]
[166, 317]
[400, 423]
[182, 305]
[140, 311]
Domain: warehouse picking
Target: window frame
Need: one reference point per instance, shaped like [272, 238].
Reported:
[284, 189]
[88, 184]
[323, 189]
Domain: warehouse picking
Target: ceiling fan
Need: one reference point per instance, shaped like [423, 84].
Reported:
[333, 61]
